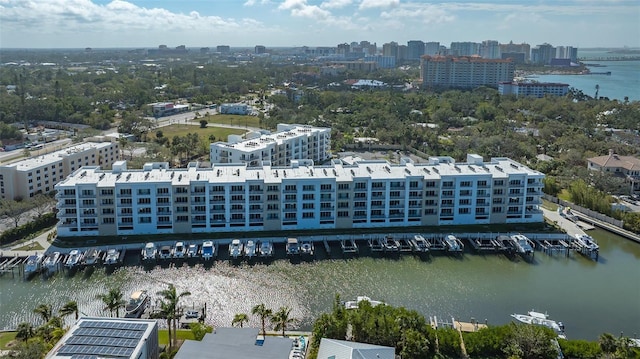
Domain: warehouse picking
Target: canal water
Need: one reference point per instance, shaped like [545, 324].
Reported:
[590, 298]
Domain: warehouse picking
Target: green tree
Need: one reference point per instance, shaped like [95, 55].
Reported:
[203, 123]
[170, 307]
[239, 320]
[199, 330]
[44, 311]
[113, 301]
[263, 312]
[69, 308]
[530, 342]
[24, 331]
[281, 319]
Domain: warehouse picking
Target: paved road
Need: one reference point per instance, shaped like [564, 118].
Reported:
[41, 239]
[568, 226]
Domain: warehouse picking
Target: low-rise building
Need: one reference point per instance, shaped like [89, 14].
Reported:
[39, 174]
[290, 142]
[235, 109]
[238, 343]
[342, 349]
[235, 197]
[108, 338]
[535, 89]
[161, 109]
[627, 167]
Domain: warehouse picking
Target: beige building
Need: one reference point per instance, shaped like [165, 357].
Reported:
[449, 71]
[39, 174]
[624, 166]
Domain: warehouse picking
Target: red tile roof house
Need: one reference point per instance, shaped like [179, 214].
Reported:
[625, 166]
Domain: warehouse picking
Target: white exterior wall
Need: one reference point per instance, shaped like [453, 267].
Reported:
[239, 198]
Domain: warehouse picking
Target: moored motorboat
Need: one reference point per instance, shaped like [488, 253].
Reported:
[192, 250]
[293, 247]
[453, 244]
[265, 249]
[112, 257]
[73, 259]
[91, 257]
[179, 250]
[250, 249]
[51, 261]
[307, 248]
[165, 252]
[523, 244]
[390, 244]
[355, 304]
[420, 244]
[537, 318]
[149, 252]
[587, 242]
[235, 249]
[208, 250]
[32, 265]
[137, 304]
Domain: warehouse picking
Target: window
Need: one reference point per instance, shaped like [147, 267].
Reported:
[144, 200]
[309, 187]
[308, 197]
[125, 192]
[465, 184]
[325, 187]
[106, 192]
[463, 210]
[144, 191]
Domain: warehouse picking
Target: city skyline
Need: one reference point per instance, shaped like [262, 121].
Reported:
[288, 23]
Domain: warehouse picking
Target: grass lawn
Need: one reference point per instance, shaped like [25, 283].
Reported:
[564, 194]
[236, 120]
[550, 206]
[5, 338]
[163, 336]
[182, 130]
[35, 246]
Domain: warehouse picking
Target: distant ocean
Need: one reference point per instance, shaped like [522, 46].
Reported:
[623, 81]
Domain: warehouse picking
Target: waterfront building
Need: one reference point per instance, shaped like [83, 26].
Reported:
[465, 48]
[39, 174]
[449, 71]
[290, 142]
[343, 349]
[235, 109]
[536, 89]
[567, 52]
[415, 49]
[235, 197]
[122, 338]
[627, 167]
[239, 343]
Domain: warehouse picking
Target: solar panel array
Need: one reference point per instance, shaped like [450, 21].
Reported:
[103, 338]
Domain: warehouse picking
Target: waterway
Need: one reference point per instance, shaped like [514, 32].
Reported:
[589, 297]
[624, 80]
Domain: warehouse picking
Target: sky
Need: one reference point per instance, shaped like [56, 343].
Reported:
[287, 23]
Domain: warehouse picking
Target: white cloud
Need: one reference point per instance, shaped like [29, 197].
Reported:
[255, 2]
[371, 4]
[424, 13]
[300, 8]
[335, 4]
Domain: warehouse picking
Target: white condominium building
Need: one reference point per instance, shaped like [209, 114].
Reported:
[290, 142]
[235, 197]
[449, 71]
[39, 174]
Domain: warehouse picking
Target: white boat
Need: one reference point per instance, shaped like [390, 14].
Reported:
[390, 244]
[51, 262]
[523, 244]
[33, 264]
[192, 250]
[73, 259]
[113, 256]
[149, 252]
[586, 241]
[250, 248]
[293, 248]
[235, 249]
[179, 250]
[265, 249]
[165, 252]
[137, 304]
[91, 257]
[307, 248]
[355, 304]
[420, 244]
[208, 250]
[453, 243]
[537, 318]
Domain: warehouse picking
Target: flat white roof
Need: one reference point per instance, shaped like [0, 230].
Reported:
[53, 157]
[239, 173]
[264, 140]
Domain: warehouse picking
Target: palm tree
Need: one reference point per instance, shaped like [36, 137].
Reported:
[239, 319]
[264, 313]
[44, 310]
[24, 331]
[113, 301]
[281, 319]
[70, 308]
[170, 307]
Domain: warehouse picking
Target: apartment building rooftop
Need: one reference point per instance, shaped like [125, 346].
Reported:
[223, 173]
[279, 138]
[464, 59]
[38, 161]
